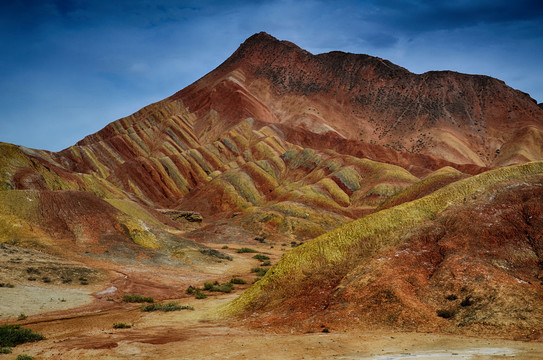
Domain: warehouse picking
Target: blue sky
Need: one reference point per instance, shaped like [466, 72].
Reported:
[68, 68]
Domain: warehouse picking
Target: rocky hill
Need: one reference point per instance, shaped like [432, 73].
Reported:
[381, 171]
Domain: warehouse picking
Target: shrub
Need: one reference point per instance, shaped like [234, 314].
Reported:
[259, 271]
[8, 285]
[261, 257]
[451, 297]
[32, 270]
[245, 250]
[238, 281]
[225, 288]
[216, 253]
[225, 247]
[13, 335]
[121, 326]
[171, 306]
[266, 263]
[261, 239]
[21, 316]
[24, 357]
[200, 295]
[209, 286]
[135, 298]
[445, 313]
[468, 301]
[191, 290]
[5, 350]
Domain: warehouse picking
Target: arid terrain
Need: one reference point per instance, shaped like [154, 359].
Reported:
[299, 206]
[86, 331]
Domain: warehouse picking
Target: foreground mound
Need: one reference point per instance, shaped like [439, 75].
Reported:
[466, 258]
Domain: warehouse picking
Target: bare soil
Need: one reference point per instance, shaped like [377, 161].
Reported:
[86, 332]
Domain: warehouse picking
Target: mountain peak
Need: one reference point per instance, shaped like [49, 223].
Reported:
[261, 46]
[264, 39]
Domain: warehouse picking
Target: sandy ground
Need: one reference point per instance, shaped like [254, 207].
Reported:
[38, 300]
[87, 332]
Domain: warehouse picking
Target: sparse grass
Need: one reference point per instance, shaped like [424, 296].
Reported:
[216, 253]
[261, 257]
[24, 357]
[259, 271]
[135, 298]
[245, 250]
[225, 288]
[13, 335]
[171, 306]
[121, 326]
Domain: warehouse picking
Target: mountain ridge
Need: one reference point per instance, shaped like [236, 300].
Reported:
[399, 179]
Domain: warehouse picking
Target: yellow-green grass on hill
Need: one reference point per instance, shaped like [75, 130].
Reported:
[351, 244]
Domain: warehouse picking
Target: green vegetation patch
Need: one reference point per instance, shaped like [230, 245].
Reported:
[238, 281]
[216, 253]
[259, 271]
[166, 307]
[13, 335]
[261, 257]
[246, 250]
[135, 298]
[216, 287]
[24, 357]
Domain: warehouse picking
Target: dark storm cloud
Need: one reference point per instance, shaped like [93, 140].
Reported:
[417, 16]
[67, 68]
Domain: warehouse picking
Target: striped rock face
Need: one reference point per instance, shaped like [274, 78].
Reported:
[281, 144]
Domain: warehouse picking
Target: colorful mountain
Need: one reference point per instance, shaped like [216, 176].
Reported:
[416, 194]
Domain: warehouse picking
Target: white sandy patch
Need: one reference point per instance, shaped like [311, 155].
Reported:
[31, 300]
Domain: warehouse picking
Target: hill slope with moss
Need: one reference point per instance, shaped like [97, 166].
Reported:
[466, 258]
